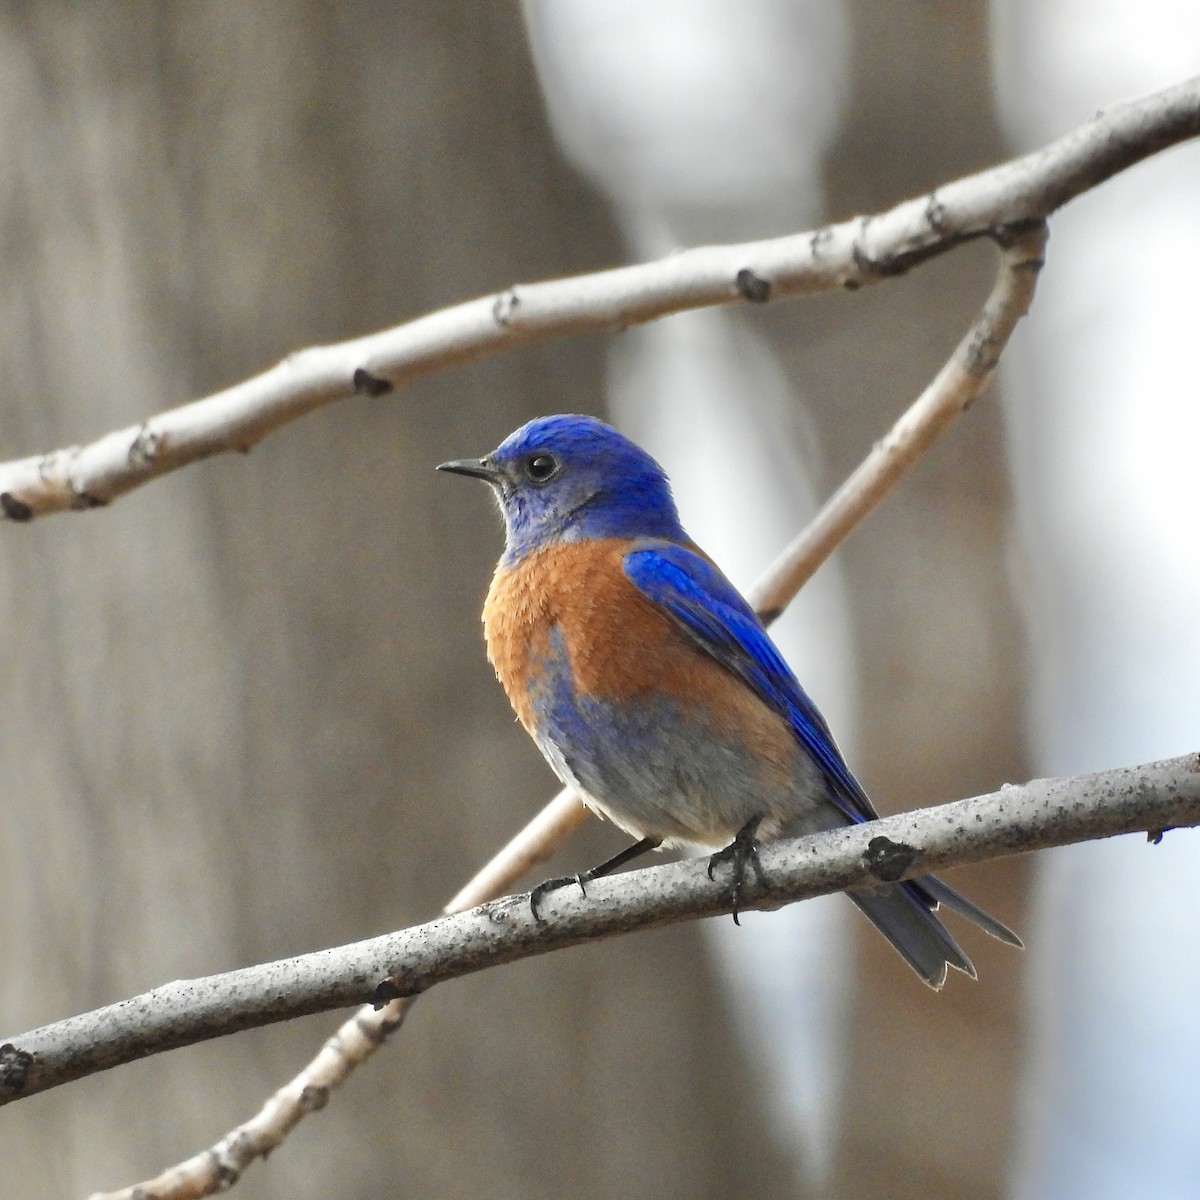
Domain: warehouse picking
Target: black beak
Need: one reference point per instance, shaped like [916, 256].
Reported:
[477, 468]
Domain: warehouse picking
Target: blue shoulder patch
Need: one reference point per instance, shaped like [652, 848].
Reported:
[711, 611]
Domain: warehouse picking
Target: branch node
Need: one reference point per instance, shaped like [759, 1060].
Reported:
[225, 1173]
[935, 214]
[371, 385]
[14, 509]
[15, 1066]
[385, 993]
[394, 987]
[146, 446]
[898, 261]
[314, 1096]
[982, 355]
[752, 287]
[863, 262]
[82, 498]
[888, 861]
[819, 239]
[884, 268]
[504, 306]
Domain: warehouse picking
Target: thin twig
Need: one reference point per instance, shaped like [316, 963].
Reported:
[219, 1167]
[535, 843]
[850, 254]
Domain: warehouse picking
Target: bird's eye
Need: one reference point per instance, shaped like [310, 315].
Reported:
[540, 467]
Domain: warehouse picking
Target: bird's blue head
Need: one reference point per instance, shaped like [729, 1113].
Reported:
[572, 478]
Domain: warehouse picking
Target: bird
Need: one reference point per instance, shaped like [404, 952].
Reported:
[653, 689]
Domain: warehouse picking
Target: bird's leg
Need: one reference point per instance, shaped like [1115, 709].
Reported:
[741, 851]
[607, 867]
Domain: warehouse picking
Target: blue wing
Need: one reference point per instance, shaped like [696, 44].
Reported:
[714, 615]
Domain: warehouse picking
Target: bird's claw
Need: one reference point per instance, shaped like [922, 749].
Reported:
[742, 851]
[547, 886]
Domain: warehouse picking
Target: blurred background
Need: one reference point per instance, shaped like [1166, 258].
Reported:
[248, 710]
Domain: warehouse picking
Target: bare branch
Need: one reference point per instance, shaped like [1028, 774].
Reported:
[1150, 798]
[964, 377]
[850, 254]
[218, 1168]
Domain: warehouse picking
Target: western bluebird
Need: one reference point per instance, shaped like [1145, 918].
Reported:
[651, 686]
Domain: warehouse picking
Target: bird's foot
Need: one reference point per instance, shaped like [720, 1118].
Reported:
[740, 853]
[607, 867]
[544, 888]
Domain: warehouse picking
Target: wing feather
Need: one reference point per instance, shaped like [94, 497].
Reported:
[715, 616]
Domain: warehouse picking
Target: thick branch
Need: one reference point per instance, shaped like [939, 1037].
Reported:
[1041, 814]
[850, 254]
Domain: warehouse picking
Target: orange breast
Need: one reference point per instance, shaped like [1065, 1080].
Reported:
[605, 623]
[619, 645]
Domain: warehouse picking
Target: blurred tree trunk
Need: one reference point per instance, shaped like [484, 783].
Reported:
[931, 1079]
[247, 710]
